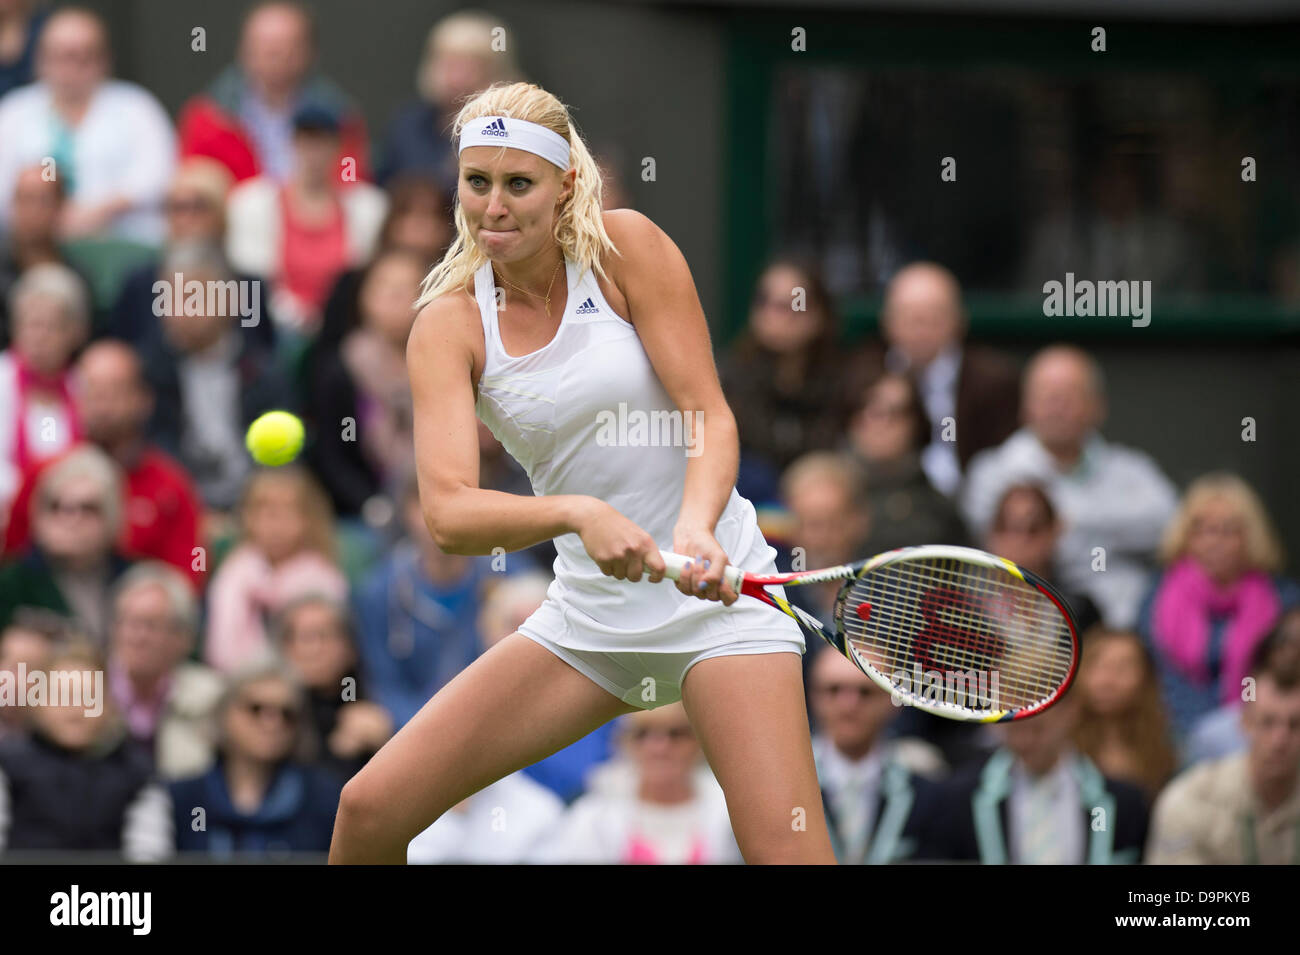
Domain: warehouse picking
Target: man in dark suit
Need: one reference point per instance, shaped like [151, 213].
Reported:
[971, 393]
[1036, 800]
[211, 377]
[871, 783]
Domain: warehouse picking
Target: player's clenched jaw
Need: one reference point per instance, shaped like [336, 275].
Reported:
[510, 199]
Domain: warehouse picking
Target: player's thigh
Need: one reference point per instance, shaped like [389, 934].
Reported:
[516, 704]
[749, 714]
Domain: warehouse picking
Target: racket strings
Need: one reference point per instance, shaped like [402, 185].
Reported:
[949, 620]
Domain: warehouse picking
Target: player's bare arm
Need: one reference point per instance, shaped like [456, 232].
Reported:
[665, 308]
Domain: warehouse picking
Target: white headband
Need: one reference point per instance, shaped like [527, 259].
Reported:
[516, 134]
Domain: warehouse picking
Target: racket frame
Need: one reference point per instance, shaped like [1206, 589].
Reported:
[755, 585]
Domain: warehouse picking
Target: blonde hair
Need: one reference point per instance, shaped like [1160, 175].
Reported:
[312, 501]
[579, 229]
[469, 31]
[1263, 549]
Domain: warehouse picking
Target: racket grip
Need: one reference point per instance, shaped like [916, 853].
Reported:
[676, 563]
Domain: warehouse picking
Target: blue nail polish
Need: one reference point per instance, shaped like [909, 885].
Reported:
[699, 585]
[706, 565]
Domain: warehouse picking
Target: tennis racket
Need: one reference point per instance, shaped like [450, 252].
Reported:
[952, 631]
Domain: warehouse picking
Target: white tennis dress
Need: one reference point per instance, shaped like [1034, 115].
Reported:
[568, 413]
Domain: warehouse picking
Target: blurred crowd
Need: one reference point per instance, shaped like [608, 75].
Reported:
[262, 632]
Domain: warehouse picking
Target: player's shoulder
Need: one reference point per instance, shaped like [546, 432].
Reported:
[450, 315]
[449, 324]
[632, 231]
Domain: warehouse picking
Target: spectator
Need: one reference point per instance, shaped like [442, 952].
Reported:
[465, 52]
[316, 638]
[969, 392]
[211, 379]
[365, 382]
[195, 206]
[887, 434]
[245, 118]
[20, 28]
[417, 613]
[167, 700]
[419, 222]
[1123, 728]
[657, 804]
[504, 822]
[1243, 809]
[258, 798]
[1026, 531]
[1217, 599]
[161, 508]
[25, 647]
[869, 782]
[286, 552]
[825, 492]
[110, 141]
[1113, 500]
[1219, 734]
[1037, 800]
[70, 568]
[507, 605]
[303, 233]
[782, 377]
[76, 783]
[33, 236]
[50, 319]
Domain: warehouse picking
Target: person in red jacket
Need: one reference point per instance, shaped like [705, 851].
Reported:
[245, 117]
[161, 509]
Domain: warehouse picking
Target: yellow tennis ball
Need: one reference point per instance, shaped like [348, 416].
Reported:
[275, 438]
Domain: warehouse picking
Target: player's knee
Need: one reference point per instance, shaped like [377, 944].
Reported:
[361, 808]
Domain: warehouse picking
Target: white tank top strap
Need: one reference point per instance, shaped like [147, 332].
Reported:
[485, 294]
[584, 304]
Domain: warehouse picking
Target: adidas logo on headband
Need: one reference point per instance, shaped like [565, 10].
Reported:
[496, 128]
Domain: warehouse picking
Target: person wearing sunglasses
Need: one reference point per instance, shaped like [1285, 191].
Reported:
[73, 561]
[259, 798]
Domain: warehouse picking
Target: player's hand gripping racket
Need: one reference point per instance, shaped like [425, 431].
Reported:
[951, 630]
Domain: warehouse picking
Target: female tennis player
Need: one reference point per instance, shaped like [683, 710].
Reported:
[562, 327]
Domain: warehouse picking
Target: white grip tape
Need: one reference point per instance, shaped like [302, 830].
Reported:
[676, 563]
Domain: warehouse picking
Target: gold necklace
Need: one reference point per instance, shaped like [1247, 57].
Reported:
[546, 299]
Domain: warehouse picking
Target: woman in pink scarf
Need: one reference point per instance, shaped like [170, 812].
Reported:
[1217, 599]
[286, 553]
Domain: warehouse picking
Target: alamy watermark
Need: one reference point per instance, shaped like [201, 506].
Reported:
[973, 689]
[1085, 298]
[235, 298]
[71, 688]
[655, 429]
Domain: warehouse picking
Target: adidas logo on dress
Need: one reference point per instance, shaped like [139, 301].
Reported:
[587, 308]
